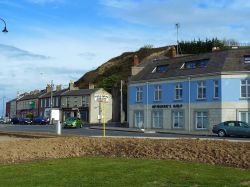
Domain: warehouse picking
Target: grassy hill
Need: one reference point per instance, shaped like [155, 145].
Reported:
[119, 68]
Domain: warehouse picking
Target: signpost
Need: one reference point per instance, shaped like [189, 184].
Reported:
[102, 99]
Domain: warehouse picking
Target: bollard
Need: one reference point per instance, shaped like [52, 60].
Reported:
[58, 128]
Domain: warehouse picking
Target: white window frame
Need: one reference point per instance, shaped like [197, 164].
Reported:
[157, 92]
[216, 87]
[157, 116]
[202, 116]
[139, 117]
[246, 85]
[57, 101]
[180, 119]
[178, 91]
[201, 85]
[139, 94]
[85, 101]
[247, 116]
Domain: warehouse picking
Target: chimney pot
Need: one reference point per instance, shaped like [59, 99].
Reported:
[173, 52]
[136, 60]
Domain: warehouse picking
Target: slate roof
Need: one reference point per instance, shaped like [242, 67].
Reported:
[219, 61]
[32, 96]
[55, 93]
[79, 92]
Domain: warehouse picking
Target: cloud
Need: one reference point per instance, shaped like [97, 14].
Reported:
[11, 52]
[87, 55]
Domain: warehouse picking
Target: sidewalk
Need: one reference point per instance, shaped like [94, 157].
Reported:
[202, 133]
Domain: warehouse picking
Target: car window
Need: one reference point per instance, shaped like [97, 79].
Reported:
[242, 124]
[231, 124]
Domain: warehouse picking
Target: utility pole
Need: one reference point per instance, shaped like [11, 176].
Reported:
[51, 101]
[121, 114]
[177, 25]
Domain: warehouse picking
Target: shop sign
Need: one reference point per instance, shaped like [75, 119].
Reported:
[167, 106]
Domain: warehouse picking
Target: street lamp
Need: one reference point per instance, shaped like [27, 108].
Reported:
[5, 27]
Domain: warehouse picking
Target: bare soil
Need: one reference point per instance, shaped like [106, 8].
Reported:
[222, 153]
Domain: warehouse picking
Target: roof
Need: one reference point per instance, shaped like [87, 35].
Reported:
[55, 93]
[32, 96]
[218, 61]
[79, 92]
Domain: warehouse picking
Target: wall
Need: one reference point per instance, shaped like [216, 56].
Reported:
[96, 106]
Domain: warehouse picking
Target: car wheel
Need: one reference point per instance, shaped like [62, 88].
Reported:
[221, 133]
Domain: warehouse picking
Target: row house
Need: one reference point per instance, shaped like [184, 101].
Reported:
[29, 103]
[11, 108]
[190, 93]
[45, 100]
[91, 105]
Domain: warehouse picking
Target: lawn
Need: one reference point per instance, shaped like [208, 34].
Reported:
[117, 172]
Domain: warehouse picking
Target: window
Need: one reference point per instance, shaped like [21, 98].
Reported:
[246, 59]
[245, 89]
[245, 116]
[41, 103]
[139, 119]
[57, 101]
[85, 101]
[178, 92]
[138, 94]
[157, 119]
[201, 120]
[195, 64]
[201, 90]
[178, 119]
[216, 89]
[157, 93]
[160, 68]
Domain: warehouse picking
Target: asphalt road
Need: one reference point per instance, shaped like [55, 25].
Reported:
[86, 131]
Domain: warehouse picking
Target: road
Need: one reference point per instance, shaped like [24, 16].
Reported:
[86, 131]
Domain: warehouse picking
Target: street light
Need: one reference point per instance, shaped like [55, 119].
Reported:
[5, 27]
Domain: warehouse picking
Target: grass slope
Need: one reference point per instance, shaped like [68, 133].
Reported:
[99, 171]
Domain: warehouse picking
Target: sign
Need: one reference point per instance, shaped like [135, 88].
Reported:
[167, 106]
[101, 98]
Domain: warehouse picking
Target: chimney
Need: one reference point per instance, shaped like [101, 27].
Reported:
[72, 86]
[173, 52]
[91, 86]
[58, 87]
[48, 88]
[136, 60]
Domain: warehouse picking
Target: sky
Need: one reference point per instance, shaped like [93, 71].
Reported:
[60, 40]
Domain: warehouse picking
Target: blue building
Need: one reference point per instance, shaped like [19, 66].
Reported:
[190, 93]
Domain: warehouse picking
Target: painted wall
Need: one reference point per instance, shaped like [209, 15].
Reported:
[168, 92]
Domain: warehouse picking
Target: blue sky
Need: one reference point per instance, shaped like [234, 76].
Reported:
[63, 39]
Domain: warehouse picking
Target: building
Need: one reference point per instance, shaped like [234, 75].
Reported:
[11, 108]
[87, 104]
[45, 101]
[29, 103]
[191, 93]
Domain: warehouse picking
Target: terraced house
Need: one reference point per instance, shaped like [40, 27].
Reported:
[190, 93]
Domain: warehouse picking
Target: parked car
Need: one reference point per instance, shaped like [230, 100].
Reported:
[25, 121]
[72, 123]
[15, 120]
[232, 128]
[2, 121]
[40, 120]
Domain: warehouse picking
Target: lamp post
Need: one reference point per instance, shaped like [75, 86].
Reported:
[5, 27]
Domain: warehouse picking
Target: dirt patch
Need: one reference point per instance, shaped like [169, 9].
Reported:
[8, 138]
[213, 152]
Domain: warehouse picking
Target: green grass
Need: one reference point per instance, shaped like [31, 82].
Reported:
[118, 172]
